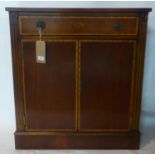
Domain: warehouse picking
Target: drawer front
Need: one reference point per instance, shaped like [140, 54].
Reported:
[68, 25]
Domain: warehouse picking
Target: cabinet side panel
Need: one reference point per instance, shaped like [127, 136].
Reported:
[17, 71]
[143, 17]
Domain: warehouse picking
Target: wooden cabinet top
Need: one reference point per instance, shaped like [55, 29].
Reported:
[82, 10]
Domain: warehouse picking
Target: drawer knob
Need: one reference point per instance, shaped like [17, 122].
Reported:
[40, 25]
[117, 26]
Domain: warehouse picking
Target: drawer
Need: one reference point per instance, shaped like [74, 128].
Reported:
[68, 25]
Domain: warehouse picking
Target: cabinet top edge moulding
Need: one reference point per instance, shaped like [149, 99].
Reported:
[82, 10]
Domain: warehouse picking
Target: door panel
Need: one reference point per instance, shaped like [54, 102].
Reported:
[106, 79]
[50, 88]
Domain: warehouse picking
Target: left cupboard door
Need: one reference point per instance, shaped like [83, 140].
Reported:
[50, 88]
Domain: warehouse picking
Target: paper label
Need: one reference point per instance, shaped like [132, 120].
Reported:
[40, 51]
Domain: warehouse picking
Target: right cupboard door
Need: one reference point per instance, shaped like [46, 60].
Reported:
[106, 81]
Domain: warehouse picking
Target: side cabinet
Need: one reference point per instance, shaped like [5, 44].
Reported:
[87, 95]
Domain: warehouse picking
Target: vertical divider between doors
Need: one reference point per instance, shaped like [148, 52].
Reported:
[78, 86]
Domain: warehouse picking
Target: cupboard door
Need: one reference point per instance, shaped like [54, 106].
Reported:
[106, 83]
[50, 87]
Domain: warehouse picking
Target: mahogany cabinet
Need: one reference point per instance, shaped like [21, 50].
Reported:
[87, 95]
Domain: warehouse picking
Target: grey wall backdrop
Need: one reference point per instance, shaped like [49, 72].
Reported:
[7, 116]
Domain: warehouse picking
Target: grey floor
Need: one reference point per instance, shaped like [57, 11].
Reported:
[147, 140]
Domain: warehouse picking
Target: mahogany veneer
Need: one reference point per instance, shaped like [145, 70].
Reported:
[88, 93]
